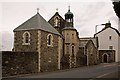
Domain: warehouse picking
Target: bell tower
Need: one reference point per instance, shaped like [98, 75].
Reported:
[69, 18]
[71, 39]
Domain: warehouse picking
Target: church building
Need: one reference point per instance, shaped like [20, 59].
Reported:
[70, 36]
[48, 46]
[37, 35]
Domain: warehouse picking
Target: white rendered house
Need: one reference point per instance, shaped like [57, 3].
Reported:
[109, 39]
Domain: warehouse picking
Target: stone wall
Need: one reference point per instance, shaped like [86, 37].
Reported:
[92, 53]
[87, 54]
[49, 54]
[65, 61]
[17, 63]
[81, 59]
[18, 40]
[111, 54]
[61, 23]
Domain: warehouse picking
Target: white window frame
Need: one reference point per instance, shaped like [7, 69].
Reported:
[56, 21]
[24, 38]
[51, 41]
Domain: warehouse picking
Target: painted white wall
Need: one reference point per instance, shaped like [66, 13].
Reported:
[119, 40]
[104, 42]
[119, 25]
[119, 48]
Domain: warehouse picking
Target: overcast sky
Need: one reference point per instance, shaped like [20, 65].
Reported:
[87, 13]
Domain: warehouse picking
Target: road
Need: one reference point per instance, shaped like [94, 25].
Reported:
[97, 71]
[105, 70]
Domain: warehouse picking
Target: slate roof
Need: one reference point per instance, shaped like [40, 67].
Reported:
[107, 28]
[84, 41]
[37, 22]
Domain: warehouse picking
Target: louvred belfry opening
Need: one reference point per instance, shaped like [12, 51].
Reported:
[69, 18]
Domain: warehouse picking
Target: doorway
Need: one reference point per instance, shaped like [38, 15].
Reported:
[105, 58]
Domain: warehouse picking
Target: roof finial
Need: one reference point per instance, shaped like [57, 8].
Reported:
[37, 10]
[69, 8]
[56, 9]
[108, 21]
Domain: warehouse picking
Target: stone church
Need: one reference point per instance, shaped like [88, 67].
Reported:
[52, 42]
[73, 54]
[37, 35]
[70, 36]
[41, 46]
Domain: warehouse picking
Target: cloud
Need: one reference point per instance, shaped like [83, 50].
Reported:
[6, 41]
[86, 15]
[94, 14]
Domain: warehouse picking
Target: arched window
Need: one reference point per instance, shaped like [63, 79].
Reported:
[56, 21]
[26, 38]
[73, 51]
[49, 40]
[67, 49]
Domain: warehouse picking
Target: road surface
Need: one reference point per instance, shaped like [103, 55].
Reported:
[104, 70]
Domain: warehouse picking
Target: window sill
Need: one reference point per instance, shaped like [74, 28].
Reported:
[49, 45]
[26, 44]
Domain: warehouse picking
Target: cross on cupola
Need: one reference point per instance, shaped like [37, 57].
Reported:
[69, 7]
[56, 9]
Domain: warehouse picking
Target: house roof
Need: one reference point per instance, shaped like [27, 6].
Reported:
[107, 28]
[37, 22]
[84, 41]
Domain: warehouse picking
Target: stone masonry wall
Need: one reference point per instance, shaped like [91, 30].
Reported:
[49, 54]
[81, 59]
[61, 23]
[18, 40]
[111, 54]
[92, 53]
[17, 63]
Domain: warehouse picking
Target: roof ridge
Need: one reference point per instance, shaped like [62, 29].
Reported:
[107, 28]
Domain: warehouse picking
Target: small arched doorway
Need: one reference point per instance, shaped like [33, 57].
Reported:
[105, 58]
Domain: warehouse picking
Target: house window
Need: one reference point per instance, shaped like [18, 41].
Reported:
[26, 38]
[110, 47]
[110, 37]
[49, 40]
